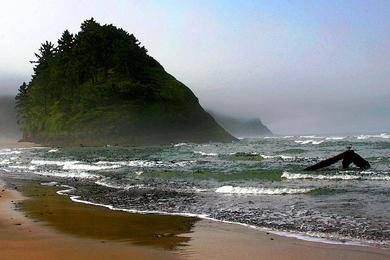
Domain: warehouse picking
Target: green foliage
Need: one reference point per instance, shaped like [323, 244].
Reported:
[102, 82]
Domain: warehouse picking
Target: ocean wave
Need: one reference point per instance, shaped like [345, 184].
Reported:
[79, 175]
[311, 137]
[75, 165]
[5, 162]
[205, 154]
[23, 167]
[383, 135]
[88, 167]
[57, 163]
[283, 157]
[9, 152]
[146, 164]
[335, 138]
[294, 176]
[310, 141]
[181, 144]
[264, 191]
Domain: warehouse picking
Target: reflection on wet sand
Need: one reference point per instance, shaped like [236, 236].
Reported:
[89, 221]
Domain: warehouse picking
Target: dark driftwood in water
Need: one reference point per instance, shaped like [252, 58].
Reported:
[348, 157]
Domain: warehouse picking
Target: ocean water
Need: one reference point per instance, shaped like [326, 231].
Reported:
[256, 182]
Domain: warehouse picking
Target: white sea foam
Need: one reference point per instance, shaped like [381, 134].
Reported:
[23, 167]
[57, 163]
[88, 167]
[76, 165]
[134, 163]
[5, 162]
[265, 191]
[80, 175]
[383, 135]
[311, 136]
[292, 176]
[180, 144]
[9, 152]
[243, 153]
[52, 183]
[205, 154]
[309, 141]
[146, 164]
[110, 184]
[283, 157]
[334, 138]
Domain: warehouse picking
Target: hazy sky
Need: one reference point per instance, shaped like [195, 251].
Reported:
[301, 66]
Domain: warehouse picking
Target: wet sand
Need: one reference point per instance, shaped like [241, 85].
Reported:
[41, 224]
[16, 144]
[37, 223]
[22, 237]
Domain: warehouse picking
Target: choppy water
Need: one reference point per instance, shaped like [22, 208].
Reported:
[258, 182]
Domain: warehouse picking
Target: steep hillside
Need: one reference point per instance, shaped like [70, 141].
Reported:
[101, 87]
[242, 127]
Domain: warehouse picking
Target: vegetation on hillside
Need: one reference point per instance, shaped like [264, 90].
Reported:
[100, 86]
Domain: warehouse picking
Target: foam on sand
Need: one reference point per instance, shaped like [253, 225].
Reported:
[78, 175]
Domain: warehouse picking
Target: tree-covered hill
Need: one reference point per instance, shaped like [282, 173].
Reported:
[101, 87]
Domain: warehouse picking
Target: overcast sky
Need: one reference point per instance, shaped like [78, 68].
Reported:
[301, 66]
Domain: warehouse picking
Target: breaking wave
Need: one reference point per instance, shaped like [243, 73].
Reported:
[205, 154]
[310, 141]
[264, 191]
[292, 176]
[383, 135]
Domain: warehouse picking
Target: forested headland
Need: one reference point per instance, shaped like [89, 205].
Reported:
[100, 86]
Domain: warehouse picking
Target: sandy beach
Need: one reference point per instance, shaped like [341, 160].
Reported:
[37, 223]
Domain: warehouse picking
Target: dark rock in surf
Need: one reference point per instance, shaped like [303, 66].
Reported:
[348, 157]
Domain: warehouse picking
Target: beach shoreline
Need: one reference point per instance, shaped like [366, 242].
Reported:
[21, 228]
[36, 222]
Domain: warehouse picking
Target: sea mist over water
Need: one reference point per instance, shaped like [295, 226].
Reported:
[9, 129]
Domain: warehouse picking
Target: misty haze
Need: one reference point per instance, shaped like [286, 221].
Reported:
[195, 129]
